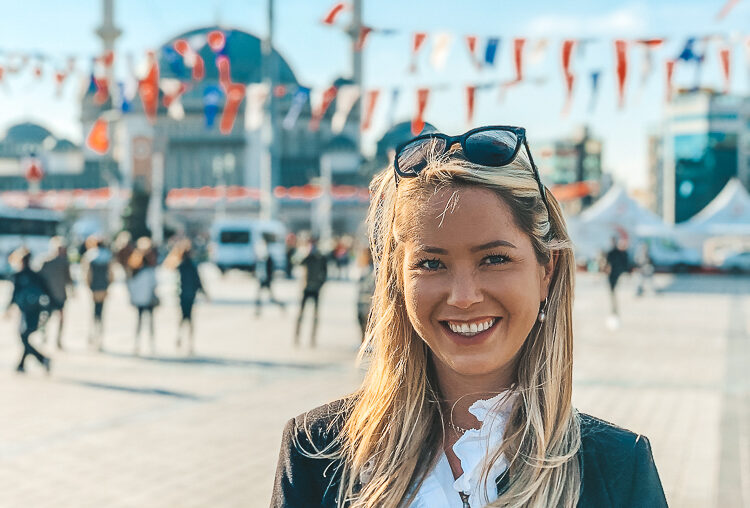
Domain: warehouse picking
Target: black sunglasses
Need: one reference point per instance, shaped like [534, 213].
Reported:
[494, 146]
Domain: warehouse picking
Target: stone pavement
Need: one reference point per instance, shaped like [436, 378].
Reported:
[166, 430]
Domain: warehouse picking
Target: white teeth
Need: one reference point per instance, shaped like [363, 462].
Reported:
[471, 329]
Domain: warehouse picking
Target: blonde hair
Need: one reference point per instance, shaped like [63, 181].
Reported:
[394, 428]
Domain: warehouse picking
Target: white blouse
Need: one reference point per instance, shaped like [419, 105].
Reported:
[473, 449]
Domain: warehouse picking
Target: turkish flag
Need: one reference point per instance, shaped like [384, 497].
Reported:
[98, 138]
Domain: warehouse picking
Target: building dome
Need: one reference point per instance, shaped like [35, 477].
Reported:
[399, 133]
[27, 132]
[242, 49]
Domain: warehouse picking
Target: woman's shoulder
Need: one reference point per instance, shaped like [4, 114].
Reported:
[320, 426]
[617, 464]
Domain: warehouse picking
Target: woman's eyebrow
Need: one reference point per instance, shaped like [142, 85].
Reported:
[492, 245]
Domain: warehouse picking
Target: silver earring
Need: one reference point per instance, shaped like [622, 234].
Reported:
[542, 313]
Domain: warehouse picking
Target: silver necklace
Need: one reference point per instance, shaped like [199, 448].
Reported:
[459, 430]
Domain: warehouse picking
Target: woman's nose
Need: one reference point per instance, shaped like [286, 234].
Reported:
[464, 291]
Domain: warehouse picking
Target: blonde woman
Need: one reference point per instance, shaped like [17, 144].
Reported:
[467, 399]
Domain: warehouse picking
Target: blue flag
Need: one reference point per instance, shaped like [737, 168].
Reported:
[212, 96]
[298, 102]
[491, 50]
[594, 89]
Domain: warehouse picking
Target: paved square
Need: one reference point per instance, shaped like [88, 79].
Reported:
[167, 430]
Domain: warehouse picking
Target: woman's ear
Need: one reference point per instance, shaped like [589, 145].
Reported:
[548, 270]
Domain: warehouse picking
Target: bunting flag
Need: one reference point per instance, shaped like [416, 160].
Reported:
[621, 47]
[518, 45]
[688, 53]
[333, 12]
[235, 94]
[59, 81]
[102, 90]
[38, 70]
[212, 96]
[728, 6]
[300, 98]
[279, 91]
[107, 59]
[325, 102]
[225, 72]
[371, 98]
[648, 45]
[345, 100]
[567, 51]
[125, 98]
[216, 40]
[364, 31]
[191, 58]
[98, 137]
[725, 56]
[471, 44]
[417, 42]
[148, 88]
[668, 81]
[470, 93]
[417, 123]
[257, 95]
[441, 45]
[173, 90]
[594, 90]
[490, 50]
[538, 51]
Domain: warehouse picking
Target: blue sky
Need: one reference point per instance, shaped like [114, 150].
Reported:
[318, 54]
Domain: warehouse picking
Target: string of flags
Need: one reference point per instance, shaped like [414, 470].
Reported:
[147, 83]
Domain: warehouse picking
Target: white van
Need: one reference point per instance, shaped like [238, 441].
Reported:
[239, 243]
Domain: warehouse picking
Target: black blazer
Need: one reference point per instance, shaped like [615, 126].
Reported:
[617, 467]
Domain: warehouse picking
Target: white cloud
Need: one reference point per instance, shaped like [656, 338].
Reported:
[631, 19]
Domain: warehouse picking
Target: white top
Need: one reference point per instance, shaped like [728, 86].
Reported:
[473, 449]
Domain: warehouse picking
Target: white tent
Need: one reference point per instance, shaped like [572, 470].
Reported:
[614, 214]
[727, 215]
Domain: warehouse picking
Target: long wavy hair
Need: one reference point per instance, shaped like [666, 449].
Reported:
[394, 426]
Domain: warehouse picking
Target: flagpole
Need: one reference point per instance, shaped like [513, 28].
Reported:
[269, 161]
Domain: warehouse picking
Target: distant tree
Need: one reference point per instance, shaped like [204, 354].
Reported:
[134, 215]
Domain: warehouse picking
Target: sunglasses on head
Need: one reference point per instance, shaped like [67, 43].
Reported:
[493, 146]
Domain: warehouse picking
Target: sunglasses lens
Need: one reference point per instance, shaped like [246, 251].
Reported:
[491, 147]
[413, 157]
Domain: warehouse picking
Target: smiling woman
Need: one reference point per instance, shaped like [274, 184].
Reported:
[468, 397]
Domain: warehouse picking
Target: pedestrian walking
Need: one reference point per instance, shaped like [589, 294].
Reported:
[316, 272]
[190, 284]
[644, 268]
[265, 279]
[290, 252]
[32, 297]
[468, 396]
[617, 263]
[142, 286]
[55, 271]
[96, 267]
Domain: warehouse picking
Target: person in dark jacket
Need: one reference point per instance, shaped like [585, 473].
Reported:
[265, 278]
[618, 263]
[96, 265]
[190, 285]
[32, 297]
[56, 273]
[467, 401]
[316, 272]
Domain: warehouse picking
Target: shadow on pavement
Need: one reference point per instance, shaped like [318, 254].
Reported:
[133, 389]
[708, 284]
[227, 362]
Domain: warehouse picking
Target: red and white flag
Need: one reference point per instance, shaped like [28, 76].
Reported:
[417, 42]
[441, 46]
[725, 57]
[364, 31]
[470, 95]
[417, 123]
[621, 69]
[235, 93]
[324, 102]
[173, 90]
[333, 12]
[725, 10]
[518, 45]
[669, 67]
[371, 99]
[345, 100]
[148, 88]
[567, 52]
[191, 58]
[471, 44]
[98, 137]
[538, 51]
[257, 95]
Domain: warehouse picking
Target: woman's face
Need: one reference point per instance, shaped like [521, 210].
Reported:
[472, 284]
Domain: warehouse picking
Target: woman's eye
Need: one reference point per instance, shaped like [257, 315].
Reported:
[429, 264]
[495, 259]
